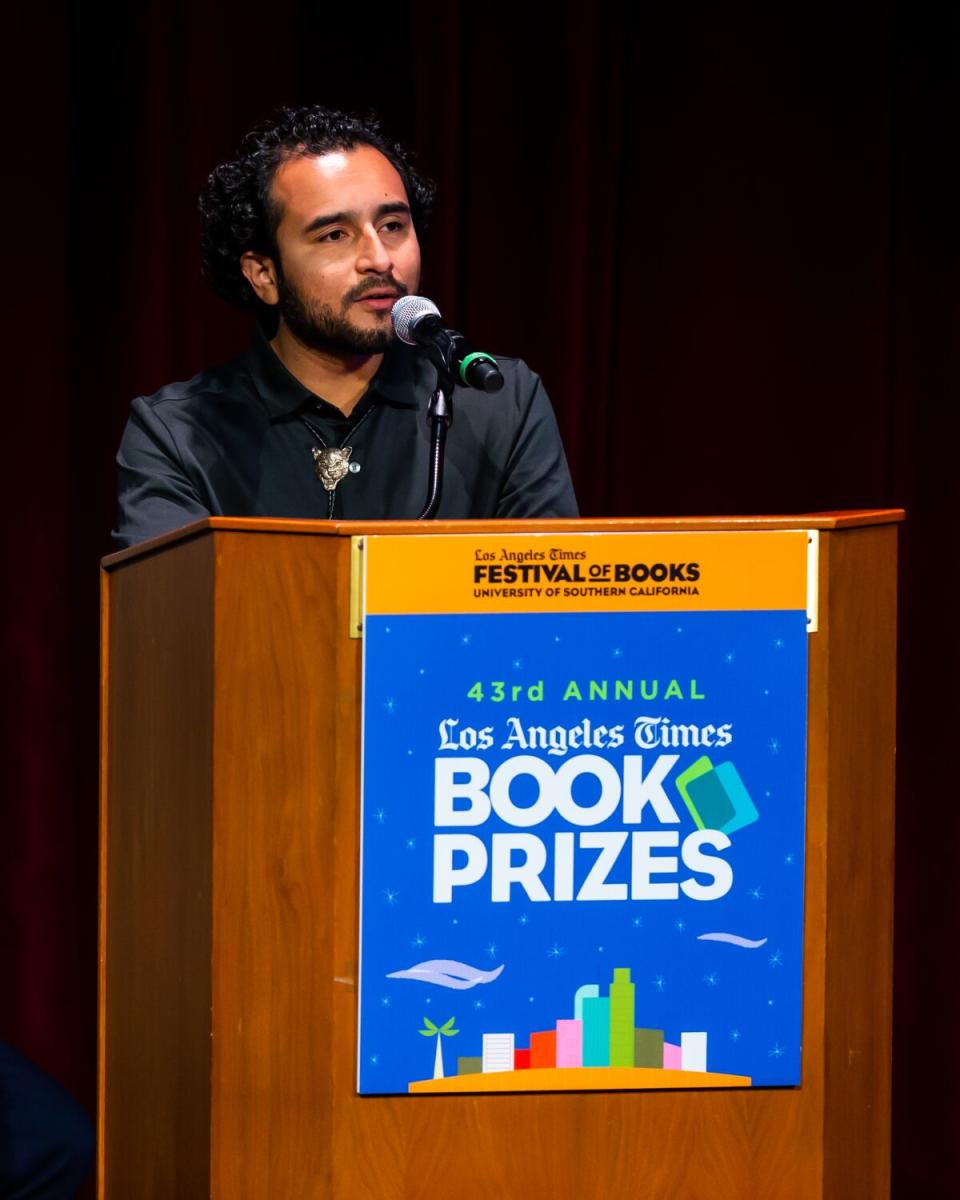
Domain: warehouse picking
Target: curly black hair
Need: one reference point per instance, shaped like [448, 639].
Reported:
[236, 206]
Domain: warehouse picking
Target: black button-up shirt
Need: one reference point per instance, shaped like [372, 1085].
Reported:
[238, 440]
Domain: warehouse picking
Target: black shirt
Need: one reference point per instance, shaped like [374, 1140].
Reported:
[238, 440]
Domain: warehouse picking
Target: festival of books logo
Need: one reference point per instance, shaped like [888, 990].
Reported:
[582, 851]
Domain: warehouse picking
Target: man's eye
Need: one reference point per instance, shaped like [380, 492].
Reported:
[332, 235]
[393, 227]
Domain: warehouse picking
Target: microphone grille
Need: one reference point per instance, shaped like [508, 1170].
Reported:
[407, 312]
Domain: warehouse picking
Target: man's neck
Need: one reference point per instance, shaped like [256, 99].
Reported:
[341, 380]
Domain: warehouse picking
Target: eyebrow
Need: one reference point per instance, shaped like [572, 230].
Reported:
[383, 210]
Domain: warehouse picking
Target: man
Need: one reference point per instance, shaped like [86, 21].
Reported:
[315, 227]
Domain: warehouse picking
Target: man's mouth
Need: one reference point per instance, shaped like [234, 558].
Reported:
[379, 299]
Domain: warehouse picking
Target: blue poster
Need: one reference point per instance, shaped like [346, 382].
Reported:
[582, 850]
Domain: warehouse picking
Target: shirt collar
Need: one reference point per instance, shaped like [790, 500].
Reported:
[400, 381]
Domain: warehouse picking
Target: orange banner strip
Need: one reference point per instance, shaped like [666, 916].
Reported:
[586, 572]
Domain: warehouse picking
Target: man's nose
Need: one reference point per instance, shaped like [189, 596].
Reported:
[373, 255]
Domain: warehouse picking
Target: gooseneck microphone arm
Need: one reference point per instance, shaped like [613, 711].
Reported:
[417, 321]
[440, 416]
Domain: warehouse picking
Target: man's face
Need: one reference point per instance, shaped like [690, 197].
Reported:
[347, 249]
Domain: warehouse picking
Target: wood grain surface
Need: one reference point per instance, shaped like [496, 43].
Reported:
[156, 866]
[267, 754]
[861, 699]
[824, 520]
[275, 802]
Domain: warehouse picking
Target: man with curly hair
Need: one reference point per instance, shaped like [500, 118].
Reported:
[315, 228]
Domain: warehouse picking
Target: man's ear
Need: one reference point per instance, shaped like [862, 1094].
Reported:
[261, 274]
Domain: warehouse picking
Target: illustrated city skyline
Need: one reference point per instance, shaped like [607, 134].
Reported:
[602, 1034]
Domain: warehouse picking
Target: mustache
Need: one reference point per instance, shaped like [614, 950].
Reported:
[380, 284]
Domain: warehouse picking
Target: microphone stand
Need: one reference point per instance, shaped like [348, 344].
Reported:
[440, 416]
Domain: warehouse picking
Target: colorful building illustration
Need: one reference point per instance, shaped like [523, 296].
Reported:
[600, 1047]
[621, 1018]
[497, 1052]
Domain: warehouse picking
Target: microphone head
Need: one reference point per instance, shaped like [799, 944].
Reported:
[407, 311]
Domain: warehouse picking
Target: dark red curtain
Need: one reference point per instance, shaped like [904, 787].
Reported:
[727, 237]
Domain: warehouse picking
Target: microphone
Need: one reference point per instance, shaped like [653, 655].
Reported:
[417, 321]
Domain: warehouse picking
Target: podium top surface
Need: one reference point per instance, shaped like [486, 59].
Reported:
[849, 519]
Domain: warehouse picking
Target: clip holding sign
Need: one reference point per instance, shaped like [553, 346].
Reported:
[813, 580]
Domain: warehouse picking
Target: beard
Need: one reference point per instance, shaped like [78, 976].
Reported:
[322, 327]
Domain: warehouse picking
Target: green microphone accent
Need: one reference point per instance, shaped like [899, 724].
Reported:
[477, 354]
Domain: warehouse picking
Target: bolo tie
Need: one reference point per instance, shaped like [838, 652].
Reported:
[332, 463]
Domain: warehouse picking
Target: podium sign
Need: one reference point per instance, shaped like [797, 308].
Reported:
[582, 830]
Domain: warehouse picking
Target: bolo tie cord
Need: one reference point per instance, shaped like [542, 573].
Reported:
[332, 492]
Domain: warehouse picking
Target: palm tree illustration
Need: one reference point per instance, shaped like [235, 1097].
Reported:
[439, 1032]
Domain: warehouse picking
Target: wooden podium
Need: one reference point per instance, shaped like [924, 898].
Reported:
[229, 908]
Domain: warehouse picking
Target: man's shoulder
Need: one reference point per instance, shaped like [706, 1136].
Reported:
[230, 382]
[515, 369]
[522, 391]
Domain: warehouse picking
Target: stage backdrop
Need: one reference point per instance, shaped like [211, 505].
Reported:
[725, 235]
